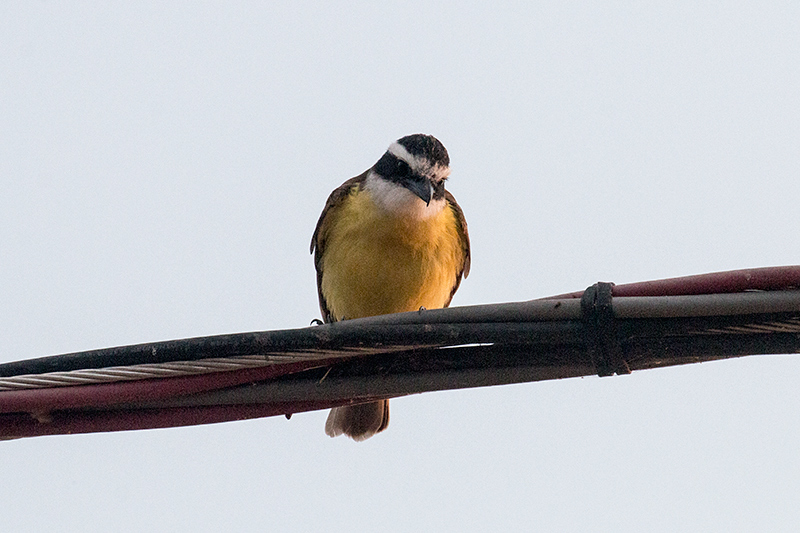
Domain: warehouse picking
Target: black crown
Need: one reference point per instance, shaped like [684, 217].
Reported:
[426, 146]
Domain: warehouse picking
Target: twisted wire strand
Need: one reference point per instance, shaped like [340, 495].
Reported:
[157, 370]
[779, 326]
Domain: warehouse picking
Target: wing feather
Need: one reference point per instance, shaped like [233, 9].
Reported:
[464, 234]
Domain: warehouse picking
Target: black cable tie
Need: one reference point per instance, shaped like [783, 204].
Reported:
[601, 330]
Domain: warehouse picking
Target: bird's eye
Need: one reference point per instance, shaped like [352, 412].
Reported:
[403, 169]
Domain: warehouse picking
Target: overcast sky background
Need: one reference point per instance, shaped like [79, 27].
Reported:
[162, 167]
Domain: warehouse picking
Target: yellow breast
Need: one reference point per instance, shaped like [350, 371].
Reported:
[375, 263]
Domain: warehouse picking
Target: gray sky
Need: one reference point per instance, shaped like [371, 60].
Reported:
[162, 168]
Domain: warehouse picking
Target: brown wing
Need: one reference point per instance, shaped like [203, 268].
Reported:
[464, 234]
[320, 234]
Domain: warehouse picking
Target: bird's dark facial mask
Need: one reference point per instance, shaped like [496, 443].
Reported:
[398, 171]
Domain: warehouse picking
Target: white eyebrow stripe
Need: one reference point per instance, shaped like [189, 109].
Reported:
[419, 164]
[400, 152]
[440, 173]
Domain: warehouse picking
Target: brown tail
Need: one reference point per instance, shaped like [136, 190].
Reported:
[359, 422]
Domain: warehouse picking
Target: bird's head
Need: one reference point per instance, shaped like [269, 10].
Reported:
[409, 178]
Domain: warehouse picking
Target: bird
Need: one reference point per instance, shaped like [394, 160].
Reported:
[389, 240]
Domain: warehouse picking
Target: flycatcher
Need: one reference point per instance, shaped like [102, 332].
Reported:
[389, 240]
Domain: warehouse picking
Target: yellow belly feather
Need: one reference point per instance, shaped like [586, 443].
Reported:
[375, 263]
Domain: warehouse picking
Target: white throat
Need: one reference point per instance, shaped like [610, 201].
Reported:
[399, 201]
